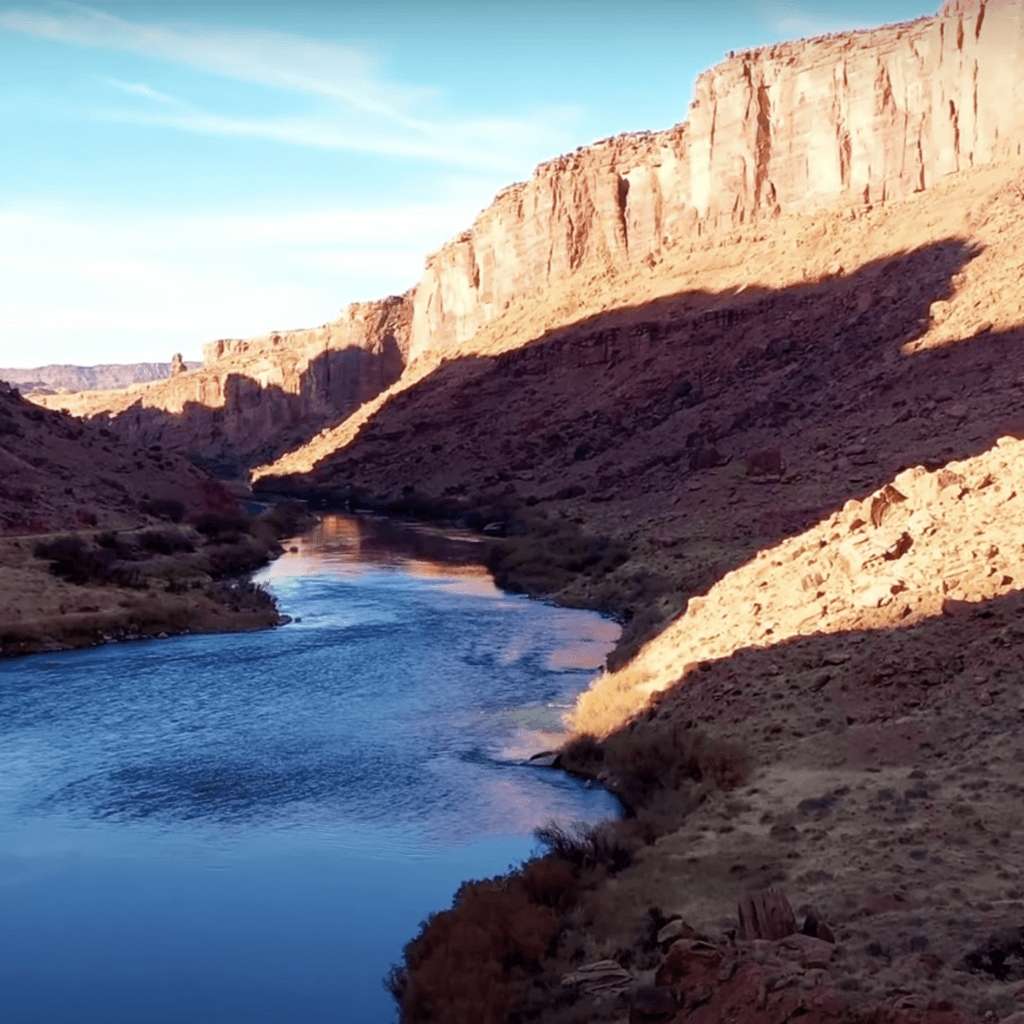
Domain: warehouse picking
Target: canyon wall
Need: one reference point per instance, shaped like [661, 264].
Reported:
[858, 118]
[258, 397]
[87, 378]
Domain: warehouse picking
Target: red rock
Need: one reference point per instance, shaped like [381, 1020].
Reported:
[689, 962]
[677, 929]
[651, 1005]
[775, 129]
[766, 914]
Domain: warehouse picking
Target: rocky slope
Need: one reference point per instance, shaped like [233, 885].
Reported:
[819, 469]
[860, 118]
[55, 377]
[100, 539]
[57, 472]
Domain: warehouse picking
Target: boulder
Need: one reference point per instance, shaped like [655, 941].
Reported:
[766, 914]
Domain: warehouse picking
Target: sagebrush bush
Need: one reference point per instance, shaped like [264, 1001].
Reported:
[71, 559]
[216, 525]
[586, 846]
[466, 963]
[550, 882]
[287, 518]
[233, 559]
[165, 541]
[652, 756]
[165, 508]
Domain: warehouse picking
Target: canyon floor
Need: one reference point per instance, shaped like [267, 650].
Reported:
[789, 460]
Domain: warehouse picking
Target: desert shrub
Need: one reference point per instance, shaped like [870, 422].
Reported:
[550, 882]
[67, 545]
[467, 963]
[121, 544]
[245, 596]
[165, 541]
[71, 559]
[215, 525]
[653, 763]
[651, 754]
[233, 559]
[165, 508]
[584, 753]
[540, 557]
[287, 518]
[586, 846]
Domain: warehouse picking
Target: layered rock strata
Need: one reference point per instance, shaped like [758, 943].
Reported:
[858, 118]
[257, 397]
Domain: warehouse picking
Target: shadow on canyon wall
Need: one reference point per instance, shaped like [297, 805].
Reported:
[661, 413]
[256, 423]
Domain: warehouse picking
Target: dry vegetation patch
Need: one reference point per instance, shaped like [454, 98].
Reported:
[80, 588]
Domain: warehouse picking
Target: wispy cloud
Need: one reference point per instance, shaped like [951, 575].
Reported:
[471, 144]
[171, 279]
[355, 106]
[139, 89]
[283, 60]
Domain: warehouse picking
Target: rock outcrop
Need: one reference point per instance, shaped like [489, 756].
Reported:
[861, 117]
[254, 398]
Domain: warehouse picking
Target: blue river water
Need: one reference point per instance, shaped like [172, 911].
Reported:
[249, 827]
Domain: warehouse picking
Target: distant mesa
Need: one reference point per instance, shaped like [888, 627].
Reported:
[57, 377]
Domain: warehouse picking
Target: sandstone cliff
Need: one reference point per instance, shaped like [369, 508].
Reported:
[858, 119]
[255, 398]
[861, 117]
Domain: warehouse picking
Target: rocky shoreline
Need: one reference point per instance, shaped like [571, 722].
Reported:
[817, 688]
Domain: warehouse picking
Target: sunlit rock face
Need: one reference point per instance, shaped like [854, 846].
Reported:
[863, 117]
[256, 397]
[858, 118]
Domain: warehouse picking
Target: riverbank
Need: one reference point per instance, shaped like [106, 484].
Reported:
[86, 587]
[858, 754]
[803, 501]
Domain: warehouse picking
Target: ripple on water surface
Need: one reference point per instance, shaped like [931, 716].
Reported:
[250, 826]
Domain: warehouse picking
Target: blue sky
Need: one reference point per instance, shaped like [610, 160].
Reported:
[178, 172]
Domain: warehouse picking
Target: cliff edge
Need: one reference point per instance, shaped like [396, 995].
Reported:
[856, 119]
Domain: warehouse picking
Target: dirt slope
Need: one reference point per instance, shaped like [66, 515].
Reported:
[128, 560]
[642, 424]
[815, 424]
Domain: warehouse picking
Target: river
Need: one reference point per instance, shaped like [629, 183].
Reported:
[249, 827]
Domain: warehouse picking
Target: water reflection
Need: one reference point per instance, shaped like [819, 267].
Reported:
[350, 546]
[249, 827]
